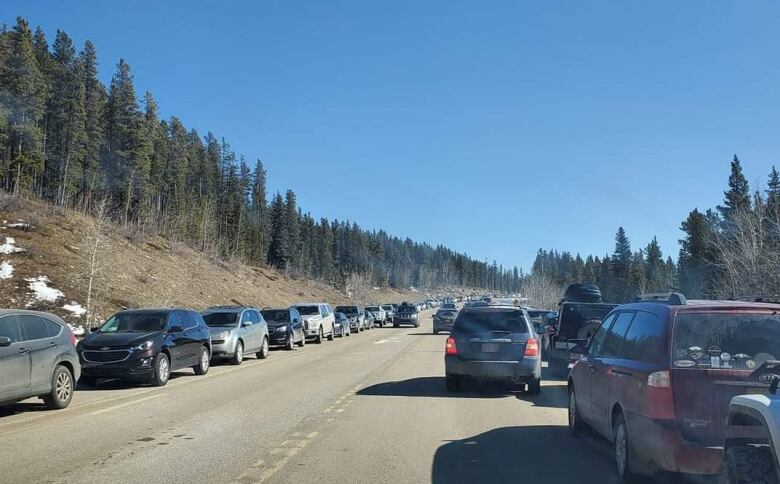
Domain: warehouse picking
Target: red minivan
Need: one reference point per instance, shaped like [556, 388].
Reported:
[657, 377]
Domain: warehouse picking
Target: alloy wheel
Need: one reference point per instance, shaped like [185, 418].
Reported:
[64, 386]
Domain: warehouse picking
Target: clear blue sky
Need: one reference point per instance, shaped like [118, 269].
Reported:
[493, 127]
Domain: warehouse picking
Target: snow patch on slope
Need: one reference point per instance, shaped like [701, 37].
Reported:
[41, 290]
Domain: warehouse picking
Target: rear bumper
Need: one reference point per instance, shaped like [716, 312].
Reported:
[442, 326]
[519, 371]
[659, 444]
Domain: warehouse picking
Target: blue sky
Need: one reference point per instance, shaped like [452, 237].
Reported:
[495, 128]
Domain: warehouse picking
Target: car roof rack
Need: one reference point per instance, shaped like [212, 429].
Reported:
[670, 298]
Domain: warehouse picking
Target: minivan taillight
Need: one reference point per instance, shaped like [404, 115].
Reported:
[660, 398]
[451, 348]
[531, 347]
[73, 339]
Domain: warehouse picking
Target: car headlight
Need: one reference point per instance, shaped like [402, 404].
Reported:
[281, 329]
[145, 346]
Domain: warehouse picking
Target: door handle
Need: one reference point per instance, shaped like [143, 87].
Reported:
[23, 350]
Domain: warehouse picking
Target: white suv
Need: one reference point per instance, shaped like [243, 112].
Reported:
[318, 320]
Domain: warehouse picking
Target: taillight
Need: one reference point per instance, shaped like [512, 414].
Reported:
[73, 339]
[532, 347]
[660, 398]
[451, 348]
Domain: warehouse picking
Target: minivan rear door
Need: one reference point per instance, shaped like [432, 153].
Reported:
[491, 334]
[715, 355]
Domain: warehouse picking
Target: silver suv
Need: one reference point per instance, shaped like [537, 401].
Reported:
[236, 331]
[37, 358]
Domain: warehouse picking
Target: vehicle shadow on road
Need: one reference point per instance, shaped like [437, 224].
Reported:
[22, 407]
[116, 384]
[522, 454]
[434, 386]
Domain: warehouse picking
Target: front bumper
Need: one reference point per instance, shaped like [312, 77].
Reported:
[660, 445]
[223, 348]
[278, 339]
[137, 365]
[524, 370]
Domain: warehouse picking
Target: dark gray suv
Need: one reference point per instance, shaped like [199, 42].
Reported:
[37, 358]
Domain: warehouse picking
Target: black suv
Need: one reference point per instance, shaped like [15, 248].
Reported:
[407, 314]
[146, 345]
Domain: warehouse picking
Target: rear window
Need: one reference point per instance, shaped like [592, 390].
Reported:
[447, 314]
[646, 339]
[510, 320]
[725, 340]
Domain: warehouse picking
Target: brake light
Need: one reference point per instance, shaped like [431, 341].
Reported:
[532, 347]
[451, 348]
[73, 339]
[660, 397]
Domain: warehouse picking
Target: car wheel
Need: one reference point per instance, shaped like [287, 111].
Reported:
[205, 357]
[534, 387]
[622, 450]
[162, 370]
[453, 383]
[302, 342]
[745, 464]
[89, 381]
[238, 356]
[320, 337]
[289, 344]
[61, 389]
[576, 426]
[332, 334]
[263, 353]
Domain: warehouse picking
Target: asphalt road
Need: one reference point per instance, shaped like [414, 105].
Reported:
[368, 408]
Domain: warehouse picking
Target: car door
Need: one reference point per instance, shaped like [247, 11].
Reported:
[14, 361]
[192, 337]
[246, 330]
[582, 372]
[42, 345]
[297, 324]
[177, 341]
[603, 365]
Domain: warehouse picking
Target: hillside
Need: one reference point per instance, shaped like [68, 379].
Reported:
[44, 264]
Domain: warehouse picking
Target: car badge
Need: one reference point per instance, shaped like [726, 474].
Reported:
[684, 363]
[767, 378]
[105, 348]
[750, 364]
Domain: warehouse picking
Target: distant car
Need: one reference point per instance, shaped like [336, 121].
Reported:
[368, 317]
[318, 320]
[37, 358]
[665, 371]
[407, 314]
[146, 345]
[341, 326]
[538, 317]
[235, 332]
[390, 310]
[380, 317]
[493, 343]
[449, 305]
[357, 321]
[443, 320]
[285, 327]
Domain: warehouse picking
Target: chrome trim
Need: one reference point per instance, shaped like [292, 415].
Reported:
[84, 355]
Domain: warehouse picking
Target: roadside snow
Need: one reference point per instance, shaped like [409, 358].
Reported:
[41, 290]
[21, 225]
[75, 308]
[6, 270]
[10, 246]
[77, 330]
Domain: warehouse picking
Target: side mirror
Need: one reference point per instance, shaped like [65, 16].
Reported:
[175, 329]
[296, 320]
[94, 330]
[5, 341]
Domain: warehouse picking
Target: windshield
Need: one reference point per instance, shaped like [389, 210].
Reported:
[726, 340]
[135, 323]
[308, 310]
[387, 307]
[227, 318]
[475, 322]
[276, 315]
[372, 308]
[347, 309]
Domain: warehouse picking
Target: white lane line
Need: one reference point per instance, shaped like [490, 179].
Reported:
[380, 342]
[115, 407]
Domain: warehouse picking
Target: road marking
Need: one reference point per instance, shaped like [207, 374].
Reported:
[380, 342]
[115, 407]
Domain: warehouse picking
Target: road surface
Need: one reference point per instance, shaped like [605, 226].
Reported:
[368, 408]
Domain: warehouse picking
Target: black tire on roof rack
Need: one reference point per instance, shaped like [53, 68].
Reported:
[585, 293]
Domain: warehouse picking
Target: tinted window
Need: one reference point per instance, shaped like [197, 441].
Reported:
[247, 318]
[52, 328]
[136, 323]
[33, 327]
[221, 318]
[616, 335]
[277, 315]
[9, 328]
[645, 339]
[188, 320]
[308, 310]
[474, 322]
[601, 334]
[256, 318]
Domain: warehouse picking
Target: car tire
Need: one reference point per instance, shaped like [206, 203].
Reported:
[577, 427]
[622, 450]
[62, 388]
[302, 342]
[746, 464]
[89, 381]
[289, 345]
[263, 353]
[396, 325]
[238, 355]
[332, 334]
[453, 383]
[320, 337]
[588, 329]
[204, 361]
[534, 387]
[162, 370]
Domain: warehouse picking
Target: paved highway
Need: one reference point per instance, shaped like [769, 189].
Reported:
[368, 408]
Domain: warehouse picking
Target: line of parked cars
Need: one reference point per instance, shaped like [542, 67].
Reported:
[41, 357]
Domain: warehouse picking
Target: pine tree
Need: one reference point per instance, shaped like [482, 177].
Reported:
[293, 230]
[696, 255]
[620, 265]
[279, 251]
[93, 130]
[655, 268]
[737, 197]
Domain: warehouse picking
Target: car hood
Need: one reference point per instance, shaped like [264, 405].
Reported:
[276, 324]
[311, 317]
[112, 340]
[215, 330]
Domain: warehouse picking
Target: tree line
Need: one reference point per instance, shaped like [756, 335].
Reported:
[67, 138]
[732, 251]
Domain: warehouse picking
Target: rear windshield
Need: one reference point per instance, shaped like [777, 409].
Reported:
[229, 318]
[726, 340]
[407, 307]
[447, 313]
[135, 323]
[347, 309]
[308, 310]
[510, 320]
[276, 315]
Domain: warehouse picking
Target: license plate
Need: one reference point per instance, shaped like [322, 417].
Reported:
[489, 348]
